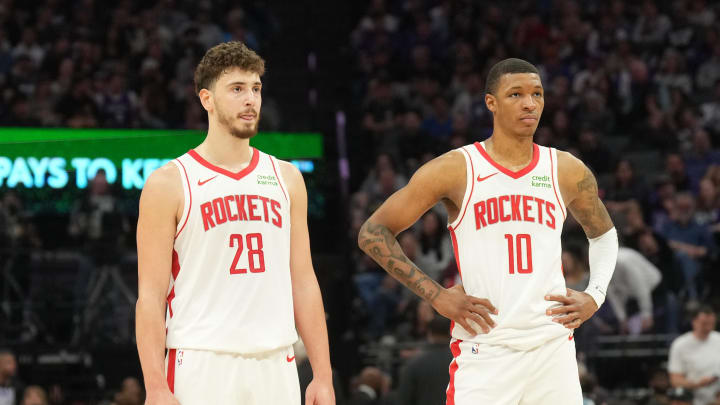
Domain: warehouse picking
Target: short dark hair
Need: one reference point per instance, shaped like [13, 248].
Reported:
[704, 309]
[506, 66]
[224, 56]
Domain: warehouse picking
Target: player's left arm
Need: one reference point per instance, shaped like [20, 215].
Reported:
[580, 192]
[307, 300]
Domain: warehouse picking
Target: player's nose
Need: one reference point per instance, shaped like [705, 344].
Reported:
[529, 104]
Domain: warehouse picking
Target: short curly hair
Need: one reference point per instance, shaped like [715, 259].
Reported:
[225, 56]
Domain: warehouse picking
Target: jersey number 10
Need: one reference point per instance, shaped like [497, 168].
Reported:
[256, 257]
[515, 251]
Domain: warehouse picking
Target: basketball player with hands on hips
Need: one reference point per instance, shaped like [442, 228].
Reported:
[507, 199]
[224, 268]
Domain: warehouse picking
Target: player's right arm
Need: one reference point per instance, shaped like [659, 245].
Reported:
[441, 179]
[160, 203]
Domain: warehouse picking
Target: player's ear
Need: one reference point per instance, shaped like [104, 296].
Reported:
[490, 102]
[205, 97]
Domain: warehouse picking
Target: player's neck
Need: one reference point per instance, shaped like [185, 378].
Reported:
[511, 151]
[222, 149]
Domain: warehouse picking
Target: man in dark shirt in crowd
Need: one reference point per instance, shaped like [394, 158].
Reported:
[420, 381]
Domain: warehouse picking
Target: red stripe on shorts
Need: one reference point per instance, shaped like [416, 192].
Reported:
[455, 349]
[171, 370]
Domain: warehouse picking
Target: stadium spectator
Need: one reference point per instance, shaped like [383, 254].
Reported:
[694, 358]
[420, 383]
[676, 170]
[11, 389]
[659, 385]
[435, 248]
[626, 186]
[35, 395]
[369, 387]
[691, 241]
[707, 211]
[131, 393]
[634, 279]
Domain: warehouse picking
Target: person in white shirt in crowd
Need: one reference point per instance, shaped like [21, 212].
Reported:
[635, 277]
[695, 358]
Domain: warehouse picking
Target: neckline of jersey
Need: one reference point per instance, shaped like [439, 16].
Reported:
[236, 176]
[503, 169]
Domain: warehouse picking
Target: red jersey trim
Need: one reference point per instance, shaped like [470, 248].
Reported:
[175, 271]
[171, 370]
[453, 238]
[514, 175]
[455, 350]
[187, 180]
[237, 176]
[472, 188]
[272, 161]
[552, 173]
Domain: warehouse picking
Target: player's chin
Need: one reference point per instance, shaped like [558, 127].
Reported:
[244, 132]
[526, 130]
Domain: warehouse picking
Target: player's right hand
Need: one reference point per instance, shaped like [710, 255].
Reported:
[162, 397]
[466, 310]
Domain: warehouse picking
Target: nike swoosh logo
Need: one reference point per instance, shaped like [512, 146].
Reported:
[486, 177]
[200, 183]
[289, 359]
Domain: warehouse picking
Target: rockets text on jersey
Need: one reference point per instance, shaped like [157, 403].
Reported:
[230, 289]
[507, 245]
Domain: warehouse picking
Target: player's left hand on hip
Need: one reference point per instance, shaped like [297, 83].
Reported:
[575, 308]
[320, 393]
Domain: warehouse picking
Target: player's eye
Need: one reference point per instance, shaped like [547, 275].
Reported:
[538, 94]
[256, 89]
[515, 95]
[236, 89]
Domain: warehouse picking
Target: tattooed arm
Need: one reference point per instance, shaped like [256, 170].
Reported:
[580, 192]
[440, 180]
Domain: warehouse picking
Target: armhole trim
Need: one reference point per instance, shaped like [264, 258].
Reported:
[283, 186]
[556, 186]
[187, 194]
[469, 186]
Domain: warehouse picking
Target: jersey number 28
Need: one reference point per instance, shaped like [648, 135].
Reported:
[515, 251]
[256, 257]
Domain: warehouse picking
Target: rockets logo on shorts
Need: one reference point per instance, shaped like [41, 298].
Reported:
[507, 245]
[230, 289]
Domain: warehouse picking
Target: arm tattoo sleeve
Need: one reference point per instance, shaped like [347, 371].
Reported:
[588, 209]
[379, 243]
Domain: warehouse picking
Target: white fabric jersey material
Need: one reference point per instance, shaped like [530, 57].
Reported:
[201, 377]
[507, 246]
[230, 288]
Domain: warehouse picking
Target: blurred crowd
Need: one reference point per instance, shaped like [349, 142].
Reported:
[85, 64]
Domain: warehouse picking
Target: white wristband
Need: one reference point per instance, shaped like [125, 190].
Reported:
[602, 256]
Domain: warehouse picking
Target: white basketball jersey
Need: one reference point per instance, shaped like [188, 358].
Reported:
[507, 245]
[230, 288]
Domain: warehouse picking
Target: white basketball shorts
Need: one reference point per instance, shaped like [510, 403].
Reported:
[200, 377]
[485, 374]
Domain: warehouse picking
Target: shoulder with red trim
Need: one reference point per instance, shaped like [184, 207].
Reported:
[291, 176]
[164, 186]
[166, 177]
[444, 177]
